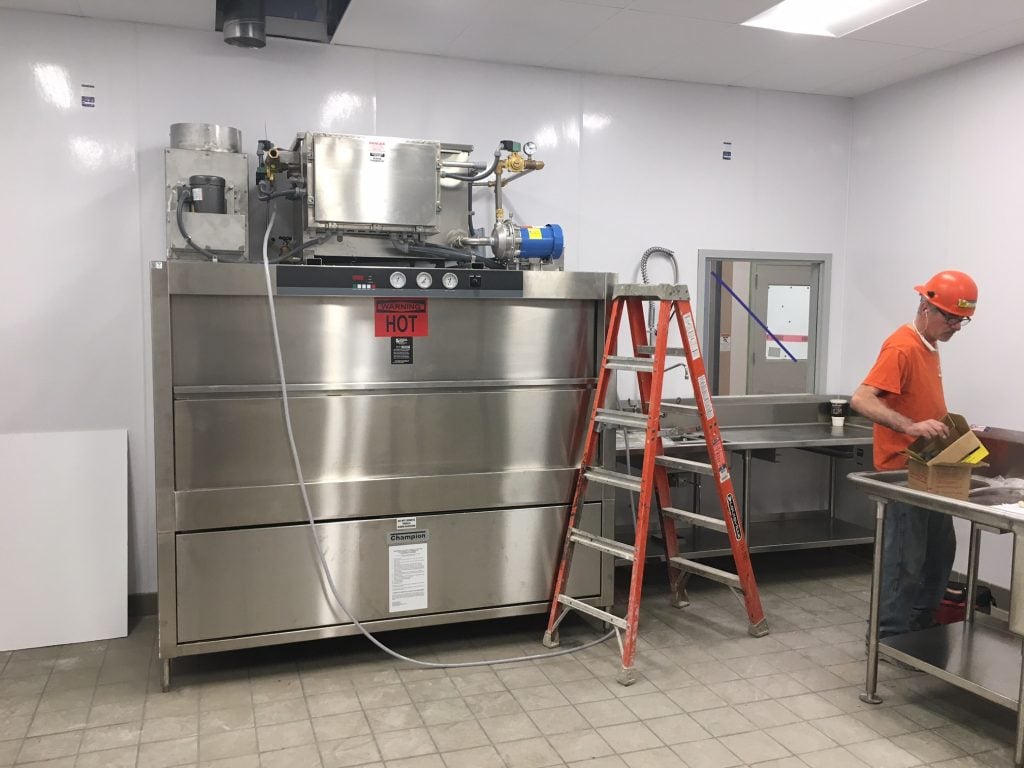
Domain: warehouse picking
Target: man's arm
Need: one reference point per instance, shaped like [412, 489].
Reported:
[868, 402]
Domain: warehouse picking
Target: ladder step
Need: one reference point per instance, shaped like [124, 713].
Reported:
[631, 420]
[628, 419]
[694, 519]
[607, 477]
[684, 407]
[590, 610]
[715, 574]
[684, 465]
[630, 363]
[669, 351]
[617, 548]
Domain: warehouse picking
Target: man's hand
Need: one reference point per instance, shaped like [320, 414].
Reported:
[927, 428]
[868, 401]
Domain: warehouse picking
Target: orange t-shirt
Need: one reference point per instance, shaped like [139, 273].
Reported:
[909, 376]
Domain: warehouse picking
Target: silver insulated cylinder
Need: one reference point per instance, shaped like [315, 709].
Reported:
[206, 137]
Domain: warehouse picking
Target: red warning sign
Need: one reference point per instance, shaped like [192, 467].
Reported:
[400, 317]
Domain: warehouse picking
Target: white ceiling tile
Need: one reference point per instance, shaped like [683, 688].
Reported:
[732, 11]
[935, 23]
[188, 14]
[67, 7]
[995, 39]
[821, 61]
[607, 3]
[630, 43]
[533, 35]
[416, 26]
[722, 53]
[894, 72]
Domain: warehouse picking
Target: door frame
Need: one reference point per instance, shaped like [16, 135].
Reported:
[706, 289]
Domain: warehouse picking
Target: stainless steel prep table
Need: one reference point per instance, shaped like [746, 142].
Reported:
[745, 434]
[978, 658]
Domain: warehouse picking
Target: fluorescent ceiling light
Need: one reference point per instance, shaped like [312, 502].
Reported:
[829, 18]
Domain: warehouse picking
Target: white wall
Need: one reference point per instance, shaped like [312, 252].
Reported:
[936, 183]
[630, 163]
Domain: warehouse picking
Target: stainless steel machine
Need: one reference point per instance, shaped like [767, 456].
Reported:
[438, 404]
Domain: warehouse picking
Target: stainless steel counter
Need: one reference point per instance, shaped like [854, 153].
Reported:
[972, 656]
[755, 428]
[816, 435]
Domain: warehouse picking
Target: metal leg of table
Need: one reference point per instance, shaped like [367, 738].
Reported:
[973, 551]
[832, 467]
[165, 675]
[871, 680]
[745, 501]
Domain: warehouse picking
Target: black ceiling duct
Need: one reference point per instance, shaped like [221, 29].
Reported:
[248, 23]
[245, 23]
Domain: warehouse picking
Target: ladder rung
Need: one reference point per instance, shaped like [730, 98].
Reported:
[631, 420]
[669, 351]
[688, 408]
[694, 519]
[617, 548]
[607, 477]
[628, 419]
[630, 363]
[715, 574]
[685, 465]
[590, 610]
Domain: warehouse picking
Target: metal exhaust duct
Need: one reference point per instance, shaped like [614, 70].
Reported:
[245, 23]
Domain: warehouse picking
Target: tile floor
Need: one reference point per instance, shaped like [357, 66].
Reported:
[708, 696]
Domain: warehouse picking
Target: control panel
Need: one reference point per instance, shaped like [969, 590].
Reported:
[392, 281]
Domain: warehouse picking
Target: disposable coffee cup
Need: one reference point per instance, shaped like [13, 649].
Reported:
[837, 409]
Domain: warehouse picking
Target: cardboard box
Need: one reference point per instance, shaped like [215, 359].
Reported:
[943, 465]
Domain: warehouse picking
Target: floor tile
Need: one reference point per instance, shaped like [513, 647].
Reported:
[409, 743]
[528, 753]
[342, 753]
[477, 757]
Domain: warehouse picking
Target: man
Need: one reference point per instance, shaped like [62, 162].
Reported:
[903, 396]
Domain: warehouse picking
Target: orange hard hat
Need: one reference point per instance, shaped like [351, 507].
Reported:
[951, 291]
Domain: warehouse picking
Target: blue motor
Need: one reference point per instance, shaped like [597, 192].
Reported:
[545, 242]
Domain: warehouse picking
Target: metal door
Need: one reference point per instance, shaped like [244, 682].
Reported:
[785, 298]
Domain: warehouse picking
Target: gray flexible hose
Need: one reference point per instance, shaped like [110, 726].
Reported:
[643, 274]
[480, 176]
[321, 559]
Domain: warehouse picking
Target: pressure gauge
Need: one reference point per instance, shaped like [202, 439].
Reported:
[450, 280]
[529, 148]
[397, 280]
[423, 280]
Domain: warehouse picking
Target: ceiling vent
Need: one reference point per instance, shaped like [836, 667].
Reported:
[248, 23]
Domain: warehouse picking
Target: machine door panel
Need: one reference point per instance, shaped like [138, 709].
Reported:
[224, 443]
[253, 581]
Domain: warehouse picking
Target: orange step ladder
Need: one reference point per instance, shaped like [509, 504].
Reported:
[649, 364]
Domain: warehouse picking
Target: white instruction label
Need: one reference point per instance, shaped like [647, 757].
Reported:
[691, 335]
[407, 577]
[405, 523]
[197, 194]
[705, 395]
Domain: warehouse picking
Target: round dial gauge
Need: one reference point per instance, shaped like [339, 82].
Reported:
[397, 280]
[450, 280]
[424, 280]
[529, 148]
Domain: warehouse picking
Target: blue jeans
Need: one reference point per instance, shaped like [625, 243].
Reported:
[917, 556]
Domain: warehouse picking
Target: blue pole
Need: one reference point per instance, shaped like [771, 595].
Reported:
[750, 312]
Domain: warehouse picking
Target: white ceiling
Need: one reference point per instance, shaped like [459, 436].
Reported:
[690, 40]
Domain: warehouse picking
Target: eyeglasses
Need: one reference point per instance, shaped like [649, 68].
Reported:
[949, 317]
